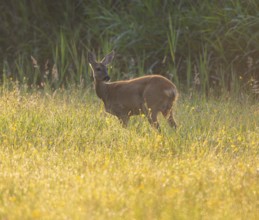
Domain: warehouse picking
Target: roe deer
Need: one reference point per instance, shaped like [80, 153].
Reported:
[147, 95]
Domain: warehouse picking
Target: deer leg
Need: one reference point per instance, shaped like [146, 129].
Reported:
[151, 115]
[171, 120]
[152, 118]
[124, 120]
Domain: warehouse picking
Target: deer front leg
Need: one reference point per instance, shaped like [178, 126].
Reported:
[124, 120]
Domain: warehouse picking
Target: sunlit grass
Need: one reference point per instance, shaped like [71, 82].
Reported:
[62, 157]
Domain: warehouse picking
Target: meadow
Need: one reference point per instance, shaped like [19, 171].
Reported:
[62, 157]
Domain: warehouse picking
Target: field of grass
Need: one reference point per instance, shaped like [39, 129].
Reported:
[62, 157]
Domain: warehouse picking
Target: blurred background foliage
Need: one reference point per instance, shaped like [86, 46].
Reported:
[202, 45]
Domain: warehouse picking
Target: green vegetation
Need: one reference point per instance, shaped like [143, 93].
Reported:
[214, 41]
[62, 157]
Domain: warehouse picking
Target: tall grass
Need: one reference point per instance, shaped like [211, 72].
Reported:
[164, 37]
[62, 157]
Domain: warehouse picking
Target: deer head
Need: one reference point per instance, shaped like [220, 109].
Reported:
[99, 69]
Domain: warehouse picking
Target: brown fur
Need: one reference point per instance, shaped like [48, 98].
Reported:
[147, 95]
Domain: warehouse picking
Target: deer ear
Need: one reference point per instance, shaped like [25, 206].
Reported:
[91, 58]
[108, 58]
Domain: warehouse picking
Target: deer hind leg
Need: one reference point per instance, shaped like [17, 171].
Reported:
[167, 112]
[154, 121]
[171, 120]
[152, 118]
[151, 115]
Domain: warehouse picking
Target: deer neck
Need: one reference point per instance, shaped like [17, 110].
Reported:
[101, 89]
